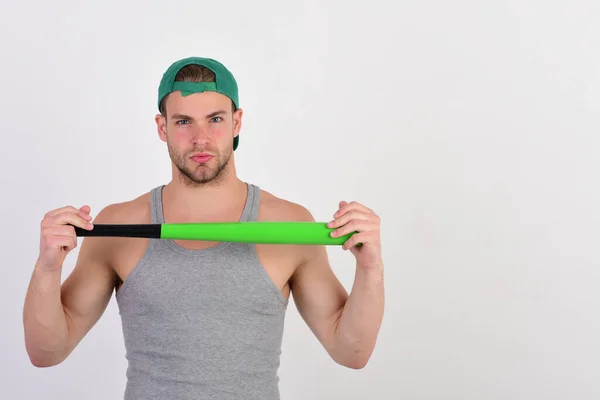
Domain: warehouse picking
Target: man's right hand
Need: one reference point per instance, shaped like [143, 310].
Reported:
[58, 238]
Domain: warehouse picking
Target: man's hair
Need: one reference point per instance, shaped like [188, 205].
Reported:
[192, 73]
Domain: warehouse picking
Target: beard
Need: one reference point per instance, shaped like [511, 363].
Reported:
[200, 174]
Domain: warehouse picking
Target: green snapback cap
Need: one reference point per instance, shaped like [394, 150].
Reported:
[225, 82]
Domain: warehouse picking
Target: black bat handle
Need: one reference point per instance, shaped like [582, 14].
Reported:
[151, 231]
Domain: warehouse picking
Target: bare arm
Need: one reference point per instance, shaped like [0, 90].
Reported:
[346, 325]
[57, 317]
[358, 326]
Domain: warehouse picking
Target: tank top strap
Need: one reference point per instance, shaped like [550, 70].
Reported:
[156, 206]
[250, 212]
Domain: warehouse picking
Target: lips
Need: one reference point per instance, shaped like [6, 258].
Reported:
[201, 157]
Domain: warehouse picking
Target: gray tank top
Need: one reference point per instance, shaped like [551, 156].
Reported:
[201, 324]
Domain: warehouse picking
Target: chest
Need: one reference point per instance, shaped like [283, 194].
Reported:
[273, 263]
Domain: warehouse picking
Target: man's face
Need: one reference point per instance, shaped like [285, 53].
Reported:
[199, 131]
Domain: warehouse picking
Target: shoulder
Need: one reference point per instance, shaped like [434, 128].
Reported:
[133, 211]
[273, 208]
[117, 251]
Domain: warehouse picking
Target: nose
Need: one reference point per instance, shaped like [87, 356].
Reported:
[200, 136]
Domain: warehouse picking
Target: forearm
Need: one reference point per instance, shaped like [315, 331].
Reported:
[360, 320]
[45, 322]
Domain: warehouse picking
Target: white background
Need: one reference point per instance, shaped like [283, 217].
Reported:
[471, 127]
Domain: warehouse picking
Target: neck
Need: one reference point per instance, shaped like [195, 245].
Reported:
[210, 202]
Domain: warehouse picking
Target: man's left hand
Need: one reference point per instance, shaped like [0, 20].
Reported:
[355, 217]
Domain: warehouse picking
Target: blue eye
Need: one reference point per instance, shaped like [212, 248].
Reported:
[214, 118]
[181, 121]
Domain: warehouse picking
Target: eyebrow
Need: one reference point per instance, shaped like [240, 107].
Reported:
[211, 115]
[214, 114]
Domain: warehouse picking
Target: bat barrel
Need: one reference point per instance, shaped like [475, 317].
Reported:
[265, 232]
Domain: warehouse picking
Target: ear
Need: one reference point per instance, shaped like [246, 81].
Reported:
[237, 121]
[161, 127]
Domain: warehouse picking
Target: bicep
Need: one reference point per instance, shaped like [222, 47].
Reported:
[88, 289]
[318, 295]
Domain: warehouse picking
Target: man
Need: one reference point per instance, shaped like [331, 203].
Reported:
[200, 319]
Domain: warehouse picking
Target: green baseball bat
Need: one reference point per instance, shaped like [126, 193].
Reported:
[266, 232]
